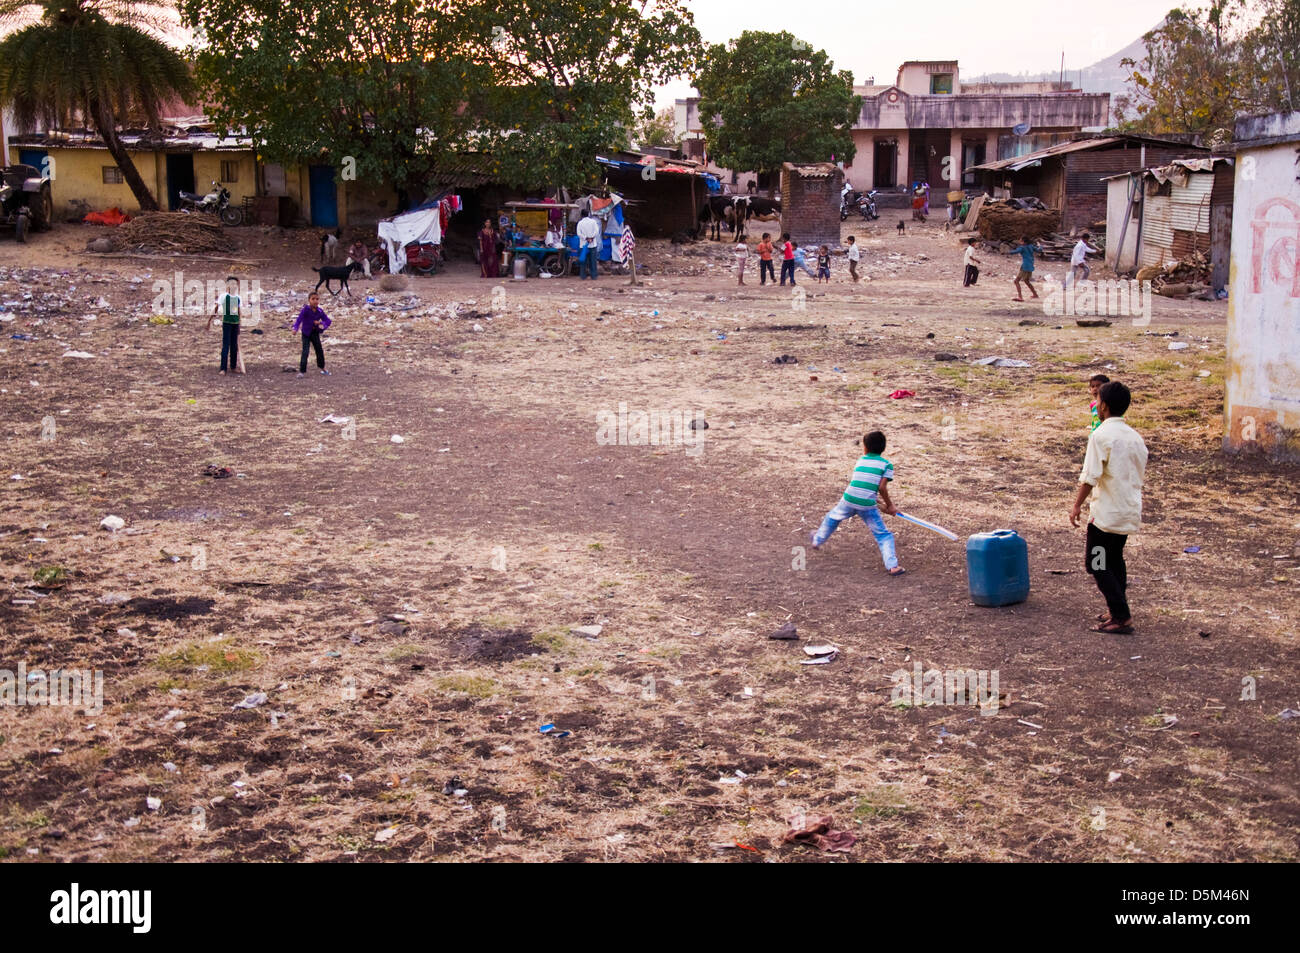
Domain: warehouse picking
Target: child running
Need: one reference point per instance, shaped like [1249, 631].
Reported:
[311, 322]
[1094, 388]
[869, 482]
[742, 255]
[824, 264]
[1026, 250]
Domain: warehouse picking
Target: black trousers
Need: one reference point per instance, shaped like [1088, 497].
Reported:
[311, 341]
[787, 268]
[972, 275]
[766, 269]
[1105, 563]
[230, 346]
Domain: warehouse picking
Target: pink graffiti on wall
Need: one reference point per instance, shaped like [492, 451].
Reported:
[1280, 260]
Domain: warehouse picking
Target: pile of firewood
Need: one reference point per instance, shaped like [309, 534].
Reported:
[183, 233]
[1177, 279]
[999, 220]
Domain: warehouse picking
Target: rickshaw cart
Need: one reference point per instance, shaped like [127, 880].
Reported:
[526, 218]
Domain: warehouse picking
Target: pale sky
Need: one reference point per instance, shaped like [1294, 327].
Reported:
[873, 38]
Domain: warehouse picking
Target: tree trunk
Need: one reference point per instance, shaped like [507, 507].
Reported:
[107, 130]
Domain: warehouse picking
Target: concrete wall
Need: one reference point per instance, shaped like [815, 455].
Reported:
[78, 174]
[1262, 405]
[1117, 205]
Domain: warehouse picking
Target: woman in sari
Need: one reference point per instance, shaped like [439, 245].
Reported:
[487, 251]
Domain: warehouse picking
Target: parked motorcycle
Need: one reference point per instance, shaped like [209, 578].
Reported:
[864, 203]
[421, 258]
[217, 202]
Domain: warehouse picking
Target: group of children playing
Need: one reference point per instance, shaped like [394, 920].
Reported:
[792, 257]
[867, 495]
[311, 321]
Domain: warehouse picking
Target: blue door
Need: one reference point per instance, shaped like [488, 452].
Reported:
[324, 197]
[34, 157]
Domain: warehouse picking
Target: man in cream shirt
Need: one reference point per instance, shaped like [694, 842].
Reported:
[1113, 469]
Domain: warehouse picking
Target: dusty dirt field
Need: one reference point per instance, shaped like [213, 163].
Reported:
[500, 525]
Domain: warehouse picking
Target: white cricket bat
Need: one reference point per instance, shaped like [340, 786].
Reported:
[930, 526]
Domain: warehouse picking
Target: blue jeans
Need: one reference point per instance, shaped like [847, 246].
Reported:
[875, 522]
[587, 261]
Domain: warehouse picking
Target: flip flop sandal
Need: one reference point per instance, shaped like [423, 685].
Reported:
[897, 571]
[1114, 628]
[1104, 617]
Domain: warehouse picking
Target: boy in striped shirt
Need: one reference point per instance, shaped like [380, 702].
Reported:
[869, 482]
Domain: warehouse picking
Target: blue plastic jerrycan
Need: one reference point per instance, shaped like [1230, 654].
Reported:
[997, 565]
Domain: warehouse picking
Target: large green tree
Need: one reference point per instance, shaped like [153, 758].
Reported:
[769, 98]
[533, 87]
[573, 76]
[97, 62]
[1205, 66]
[380, 93]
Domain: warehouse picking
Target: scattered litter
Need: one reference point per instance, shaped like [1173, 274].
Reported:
[160, 319]
[334, 418]
[455, 787]
[550, 731]
[588, 631]
[786, 359]
[1113, 777]
[822, 835]
[899, 394]
[821, 654]
[386, 834]
[1178, 345]
[253, 700]
[1028, 724]
[787, 632]
[169, 767]
[218, 473]
[397, 438]
[112, 523]
[84, 355]
[1001, 362]
[152, 803]
[114, 598]
[1287, 714]
[1192, 549]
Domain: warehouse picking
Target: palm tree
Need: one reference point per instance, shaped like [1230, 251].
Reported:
[96, 62]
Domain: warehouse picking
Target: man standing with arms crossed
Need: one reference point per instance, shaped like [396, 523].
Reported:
[1113, 470]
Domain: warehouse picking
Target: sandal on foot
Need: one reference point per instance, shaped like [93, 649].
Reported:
[897, 571]
[1114, 628]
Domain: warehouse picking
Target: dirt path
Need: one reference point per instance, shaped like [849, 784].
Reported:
[501, 523]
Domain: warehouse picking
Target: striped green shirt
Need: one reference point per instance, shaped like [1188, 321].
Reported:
[871, 471]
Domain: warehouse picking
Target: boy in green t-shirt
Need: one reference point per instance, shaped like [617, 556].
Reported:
[227, 309]
[1094, 388]
[870, 480]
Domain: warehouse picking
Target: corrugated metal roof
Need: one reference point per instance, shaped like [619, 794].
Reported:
[1015, 163]
[1199, 164]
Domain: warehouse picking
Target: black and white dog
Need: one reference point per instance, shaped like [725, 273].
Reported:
[339, 273]
[330, 245]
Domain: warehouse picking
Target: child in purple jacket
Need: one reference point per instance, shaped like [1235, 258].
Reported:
[311, 322]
